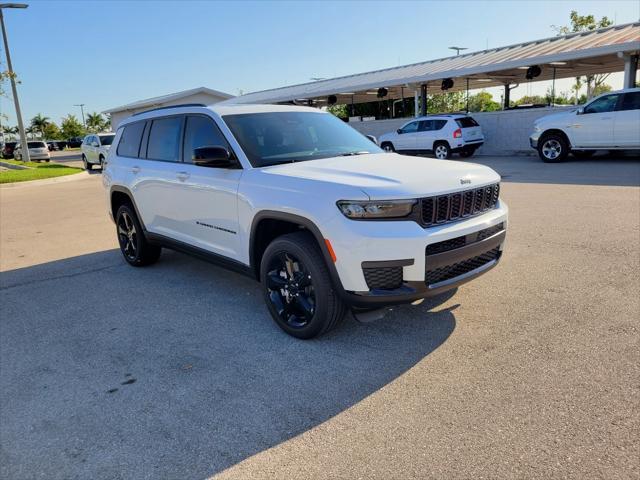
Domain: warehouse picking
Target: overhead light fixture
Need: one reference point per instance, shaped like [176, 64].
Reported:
[372, 93]
[557, 63]
[523, 68]
[483, 80]
[346, 93]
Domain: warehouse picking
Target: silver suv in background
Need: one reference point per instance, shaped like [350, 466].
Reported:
[610, 121]
[95, 149]
[441, 135]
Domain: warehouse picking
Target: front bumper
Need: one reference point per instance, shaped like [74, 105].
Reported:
[404, 244]
[533, 140]
[39, 156]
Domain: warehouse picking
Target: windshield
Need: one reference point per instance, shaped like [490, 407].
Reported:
[271, 138]
[106, 139]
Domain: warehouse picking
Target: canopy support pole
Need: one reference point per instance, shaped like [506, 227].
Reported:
[467, 94]
[416, 104]
[553, 88]
[423, 94]
[630, 69]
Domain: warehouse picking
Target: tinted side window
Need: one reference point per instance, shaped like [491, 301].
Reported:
[439, 124]
[425, 125]
[164, 139]
[201, 131]
[630, 101]
[412, 127]
[602, 105]
[129, 144]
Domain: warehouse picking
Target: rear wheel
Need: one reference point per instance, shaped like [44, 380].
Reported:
[87, 166]
[133, 244]
[388, 147]
[553, 148]
[297, 287]
[441, 150]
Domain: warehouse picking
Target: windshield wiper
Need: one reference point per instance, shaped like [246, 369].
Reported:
[349, 154]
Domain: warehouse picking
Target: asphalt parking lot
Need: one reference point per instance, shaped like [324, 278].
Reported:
[177, 370]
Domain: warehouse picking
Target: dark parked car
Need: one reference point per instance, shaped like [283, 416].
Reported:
[56, 145]
[74, 142]
[7, 150]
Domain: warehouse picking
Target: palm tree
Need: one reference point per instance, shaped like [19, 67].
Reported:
[95, 122]
[10, 131]
[39, 123]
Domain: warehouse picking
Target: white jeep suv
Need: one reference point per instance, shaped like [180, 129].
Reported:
[609, 122]
[441, 135]
[95, 149]
[296, 198]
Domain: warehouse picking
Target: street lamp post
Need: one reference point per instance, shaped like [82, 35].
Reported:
[81, 105]
[457, 49]
[12, 77]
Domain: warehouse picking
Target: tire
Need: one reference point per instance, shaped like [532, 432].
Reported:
[87, 166]
[583, 153]
[387, 147]
[553, 148]
[133, 245]
[297, 287]
[467, 153]
[441, 150]
[101, 162]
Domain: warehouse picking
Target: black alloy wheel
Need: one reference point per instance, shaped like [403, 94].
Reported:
[133, 244]
[297, 286]
[291, 290]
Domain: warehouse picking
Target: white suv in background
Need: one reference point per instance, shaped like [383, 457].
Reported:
[609, 122]
[297, 199]
[441, 135]
[95, 149]
[38, 150]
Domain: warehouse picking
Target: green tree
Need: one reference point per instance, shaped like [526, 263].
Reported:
[585, 23]
[531, 99]
[52, 132]
[39, 123]
[96, 122]
[446, 102]
[483, 102]
[10, 131]
[71, 127]
[339, 111]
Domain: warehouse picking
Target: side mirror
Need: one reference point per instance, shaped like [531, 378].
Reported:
[372, 138]
[213, 156]
[95, 144]
[580, 111]
[399, 131]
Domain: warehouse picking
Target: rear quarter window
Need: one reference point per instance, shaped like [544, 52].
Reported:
[129, 144]
[466, 122]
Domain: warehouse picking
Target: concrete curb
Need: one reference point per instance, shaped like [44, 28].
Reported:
[47, 181]
[12, 166]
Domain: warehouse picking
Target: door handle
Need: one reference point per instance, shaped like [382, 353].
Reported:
[182, 176]
[135, 169]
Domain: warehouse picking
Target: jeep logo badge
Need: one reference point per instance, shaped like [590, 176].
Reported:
[464, 181]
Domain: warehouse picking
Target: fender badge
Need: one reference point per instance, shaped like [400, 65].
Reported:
[464, 181]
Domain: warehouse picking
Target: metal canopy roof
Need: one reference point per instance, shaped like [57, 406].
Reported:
[582, 53]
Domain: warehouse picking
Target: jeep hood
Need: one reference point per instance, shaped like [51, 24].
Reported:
[390, 175]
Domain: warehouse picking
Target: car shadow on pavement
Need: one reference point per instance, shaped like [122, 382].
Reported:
[175, 370]
[601, 169]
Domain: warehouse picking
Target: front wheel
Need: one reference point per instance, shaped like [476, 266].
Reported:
[133, 244]
[553, 148]
[297, 287]
[87, 166]
[442, 151]
[388, 147]
[101, 162]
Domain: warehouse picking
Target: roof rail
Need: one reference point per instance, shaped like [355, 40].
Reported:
[170, 106]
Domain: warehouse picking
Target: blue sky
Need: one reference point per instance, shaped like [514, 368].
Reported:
[108, 53]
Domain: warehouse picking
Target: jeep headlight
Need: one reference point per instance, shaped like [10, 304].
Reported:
[376, 209]
[536, 127]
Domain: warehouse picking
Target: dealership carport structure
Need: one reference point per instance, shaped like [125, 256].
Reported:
[606, 50]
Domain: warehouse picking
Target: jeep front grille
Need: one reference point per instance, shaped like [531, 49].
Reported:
[451, 207]
[454, 270]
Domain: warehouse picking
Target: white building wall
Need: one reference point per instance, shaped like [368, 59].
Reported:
[506, 132]
[204, 98]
